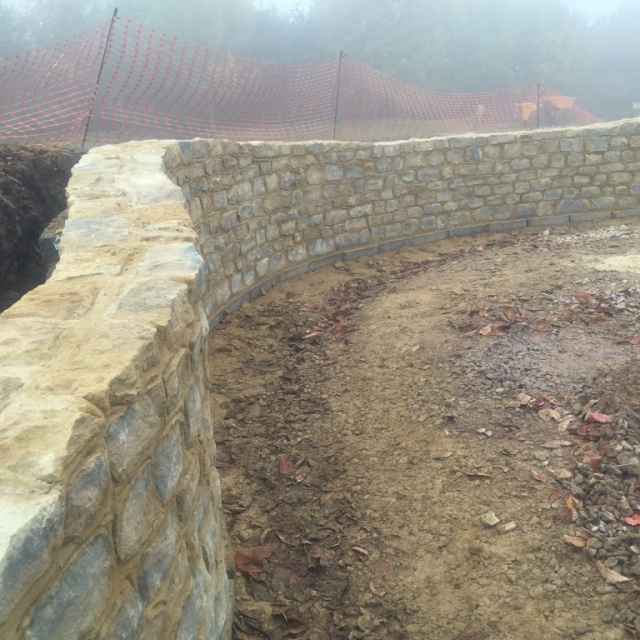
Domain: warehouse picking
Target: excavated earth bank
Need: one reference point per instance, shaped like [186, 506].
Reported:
[439, 444]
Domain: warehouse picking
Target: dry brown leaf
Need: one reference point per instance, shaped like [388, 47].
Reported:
[361, 551]
[478, 476]
[523, 398]
[540, 477]
[558, 444]
[599, 417]
[575, 541]
[611, 577]
[486, 331]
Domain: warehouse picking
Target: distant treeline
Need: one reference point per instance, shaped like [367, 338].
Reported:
[452, 45]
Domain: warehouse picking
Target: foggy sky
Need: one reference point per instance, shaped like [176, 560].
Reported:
[590, 8]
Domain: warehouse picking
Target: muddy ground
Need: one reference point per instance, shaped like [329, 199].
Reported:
[32, 193]
[439, 444]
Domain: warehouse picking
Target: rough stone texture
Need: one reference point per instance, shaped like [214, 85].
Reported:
[85, 493]
[159, 557]
[77, 601]
[25, 554]
[138, 516]
[329, 208]
[128, 618]
[114, 346]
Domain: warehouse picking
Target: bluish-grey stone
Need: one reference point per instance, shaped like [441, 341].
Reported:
[78, 600]
[134, 431]
[168, 464]
[333, 173]
[138, 515]
[87, 490]
[353, 171]
[187, 495]
[474, 154]
[157, 560]
[193, 412]
[208, 540]
[572, 144]
[127, 619]
[154, 629]
[320, 247]
[29, 551]
[573, 206]
[191, 616]
[526, 210]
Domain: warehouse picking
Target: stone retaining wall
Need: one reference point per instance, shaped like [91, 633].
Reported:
[110, 514]
[111, 520]
[265, 211]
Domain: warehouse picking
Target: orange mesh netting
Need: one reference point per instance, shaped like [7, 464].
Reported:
[157, 86]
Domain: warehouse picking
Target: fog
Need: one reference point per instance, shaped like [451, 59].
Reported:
[584, 48]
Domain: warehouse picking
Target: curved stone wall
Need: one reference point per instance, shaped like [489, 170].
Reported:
[264, 212]
[111, 519]
[111, 522]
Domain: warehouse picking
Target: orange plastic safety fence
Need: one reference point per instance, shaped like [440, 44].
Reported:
[156, 86]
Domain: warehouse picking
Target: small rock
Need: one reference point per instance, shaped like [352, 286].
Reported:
[510, 526]
[608, 615]
[490, 519]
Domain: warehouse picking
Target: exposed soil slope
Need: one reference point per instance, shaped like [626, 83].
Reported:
[439, 444]
[32, 193]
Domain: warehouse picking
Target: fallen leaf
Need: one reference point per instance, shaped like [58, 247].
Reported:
[550, 414]
[600, 417]
[611, 577]
[254, 563]
[324, 557]
[634, 340]
[570, 504]
[361, 551]
[593, 460]
[556, 494]
[633, 520]
[286, 466]
[564, 515]
[558, 444]
[523, 398]
[486, 331]
[575, 541]
[309, 336]
[478, 476]
[540, 477]
[589, 298]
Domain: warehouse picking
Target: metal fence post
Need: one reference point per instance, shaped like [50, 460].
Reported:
[95, 89]
[335, 119]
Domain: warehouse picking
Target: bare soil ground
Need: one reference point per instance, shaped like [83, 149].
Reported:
[439, 444]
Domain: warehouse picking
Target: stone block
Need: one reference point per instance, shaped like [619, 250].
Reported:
[573, 205]
[72, 608]
[31, 530]
[191, 615]
[127, 620]
[86, 492]
[158, 558]
[138, 515]
[193, 413]
[134, 431]
[168, 462]
[155, 628]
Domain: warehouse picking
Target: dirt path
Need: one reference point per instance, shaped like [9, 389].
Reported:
[439, 444]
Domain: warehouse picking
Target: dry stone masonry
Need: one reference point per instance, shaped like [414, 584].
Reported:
[111, 520]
